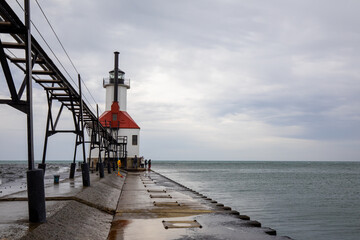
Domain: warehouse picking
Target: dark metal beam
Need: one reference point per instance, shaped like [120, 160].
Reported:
[43, 72]
[29, 96]
[35, 177]
[23, 85]
[13, 45]
[47, 81]
[56, 88]
[49, 118]
[7, 73]
[10, 29]
[19, 105]
[116, 77]
[23, 60]
[58, 116]
[59, 94]
[82, 120]
[63, 131]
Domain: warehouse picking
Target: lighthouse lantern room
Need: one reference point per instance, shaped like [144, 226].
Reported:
[116, 118]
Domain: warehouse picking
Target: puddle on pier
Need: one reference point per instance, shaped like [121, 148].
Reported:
[152, 229]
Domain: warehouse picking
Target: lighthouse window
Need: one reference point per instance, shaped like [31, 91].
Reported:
[114, 117]
[134, 140]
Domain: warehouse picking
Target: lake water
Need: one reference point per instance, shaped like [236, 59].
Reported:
[303, 200]
[13, 174]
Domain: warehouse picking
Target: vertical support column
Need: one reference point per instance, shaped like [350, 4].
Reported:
[99, 140]
[82, 120]
[73, 164]
[101, 170]
[100, 162]
[108, 163]
[30, 135]
[42, 165]
[91, 163]
[72, 170]
[108, 148]
[114, 159]
[85, 174]
[93, 142]
[77, 130]
[36, 195]
[35, 177]
[84, 166]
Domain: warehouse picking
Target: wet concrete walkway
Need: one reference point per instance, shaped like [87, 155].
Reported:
[152, 206]
[72, 211]
[142, 205]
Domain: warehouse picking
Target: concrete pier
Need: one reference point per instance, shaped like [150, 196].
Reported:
[141, 205]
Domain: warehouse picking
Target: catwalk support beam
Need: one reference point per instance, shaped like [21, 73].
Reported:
[35, 177]
[84, 166]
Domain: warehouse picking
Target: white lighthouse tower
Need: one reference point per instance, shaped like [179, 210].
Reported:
[116, 117]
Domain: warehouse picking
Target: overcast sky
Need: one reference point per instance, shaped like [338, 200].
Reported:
[211, 80]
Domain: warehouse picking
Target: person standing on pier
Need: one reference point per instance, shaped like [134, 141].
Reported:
[146, 163]
[142, 163]
[149, 164]
[135, 162]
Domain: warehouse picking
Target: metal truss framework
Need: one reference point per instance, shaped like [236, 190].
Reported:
[98, 140]
[51, 79]
[118, 150]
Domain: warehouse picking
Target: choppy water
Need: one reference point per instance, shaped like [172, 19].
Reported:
[303, 200]
[13, 174]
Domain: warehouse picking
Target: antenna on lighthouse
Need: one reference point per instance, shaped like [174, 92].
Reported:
[116, 77]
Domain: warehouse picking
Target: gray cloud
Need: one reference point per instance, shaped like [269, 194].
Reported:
[224, 79]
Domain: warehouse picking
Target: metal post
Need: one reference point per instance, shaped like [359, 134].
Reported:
[85, 174]
[100, 163]
[108, 163]
[98, 131]
[42, 165]
[73, 164]
[116, 145]
[108, 147]
[29, 88]
[72, 170]
[84, 165]
[114, 160]
[116, 76]
[82, 120]
[97, 141]
[35, 177]
[101, 170]
[91, 144]
[76, 124]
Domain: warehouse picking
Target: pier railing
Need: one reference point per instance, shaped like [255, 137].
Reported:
[108, 81]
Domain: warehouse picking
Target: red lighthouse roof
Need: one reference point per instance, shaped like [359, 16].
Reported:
[117, 119]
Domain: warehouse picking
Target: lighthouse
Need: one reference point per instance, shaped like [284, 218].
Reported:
[117, 120]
